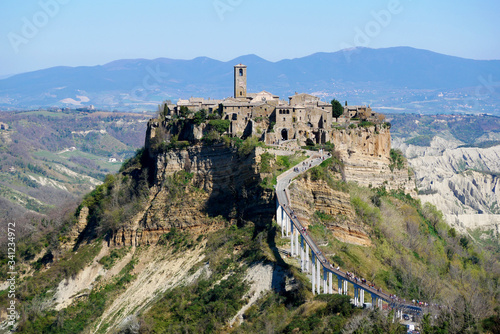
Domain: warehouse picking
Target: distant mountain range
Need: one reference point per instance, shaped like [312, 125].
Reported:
[399, 78]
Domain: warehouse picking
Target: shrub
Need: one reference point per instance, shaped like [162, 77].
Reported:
[248, 146]
[200, 117]
[211, 137]
[397, 159]
[369, 215]
[184, 111]
[365, 124]
[323, 216]
[265, 162]
[219, 125]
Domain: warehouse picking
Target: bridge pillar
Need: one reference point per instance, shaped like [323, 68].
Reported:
[297, 241]
[356, 297]
[308, 263]
[340, 281]
[302, 253]
[291, 241]
[330, 281]
[345, 287]
[287, 225]
[362, 297]
[374, 301]
[325, 281]
[282, 223]
[318, 275]
[313, 273]
[278, 211]
[379, 303]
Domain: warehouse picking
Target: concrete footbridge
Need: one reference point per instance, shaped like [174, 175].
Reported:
[311, 258]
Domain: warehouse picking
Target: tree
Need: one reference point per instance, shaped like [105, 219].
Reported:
[220, 125]
[337, 109]
[184, 111]
[165, 110]
[200, 117]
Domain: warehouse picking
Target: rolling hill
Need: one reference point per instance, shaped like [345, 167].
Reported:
[398, 77]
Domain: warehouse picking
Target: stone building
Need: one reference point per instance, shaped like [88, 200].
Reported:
[303, 118]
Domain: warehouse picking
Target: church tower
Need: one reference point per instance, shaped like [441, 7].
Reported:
[240, 81]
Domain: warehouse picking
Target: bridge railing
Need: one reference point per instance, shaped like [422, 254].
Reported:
[324, 261]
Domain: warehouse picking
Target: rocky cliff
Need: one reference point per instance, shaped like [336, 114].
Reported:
[461, 181]
[199, 187]
[365, 152]
[196, 188]
[219, 182]
[308, 197]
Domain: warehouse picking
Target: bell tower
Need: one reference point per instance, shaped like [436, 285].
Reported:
[240, 81]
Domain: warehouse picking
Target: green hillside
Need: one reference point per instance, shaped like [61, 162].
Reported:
[54, 157]
[413, 255]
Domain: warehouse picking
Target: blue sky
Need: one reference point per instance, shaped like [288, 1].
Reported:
[46, 33]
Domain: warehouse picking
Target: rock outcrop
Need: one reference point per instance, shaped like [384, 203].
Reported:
[200, 187]
[461, 182]
[216, 185]
[365, 152]
[74, 233]
[309, 196]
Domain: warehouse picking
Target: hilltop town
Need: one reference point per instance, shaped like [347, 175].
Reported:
[303, 119]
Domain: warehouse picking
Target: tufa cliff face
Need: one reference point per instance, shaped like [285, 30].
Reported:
[308, 196]
[199, 187]
[365, 152]
[194, 188]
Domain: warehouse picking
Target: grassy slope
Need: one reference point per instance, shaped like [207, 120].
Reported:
[414, 256]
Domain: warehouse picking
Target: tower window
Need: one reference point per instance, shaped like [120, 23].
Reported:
[241, 72]
[241, 93]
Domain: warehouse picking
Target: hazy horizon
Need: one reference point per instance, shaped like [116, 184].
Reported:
[4, 76]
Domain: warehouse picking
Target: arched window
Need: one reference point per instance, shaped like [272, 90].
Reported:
[241, 72]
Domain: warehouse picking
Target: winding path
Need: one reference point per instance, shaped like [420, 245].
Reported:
[287, 216]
